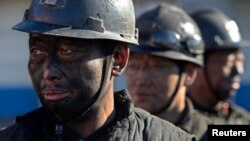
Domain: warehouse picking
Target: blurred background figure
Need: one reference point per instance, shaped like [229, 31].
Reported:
[165, 64]
[238, 10]
[220, 78]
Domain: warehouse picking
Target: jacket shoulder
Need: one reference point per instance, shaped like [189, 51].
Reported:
[12, 133]
[22, 128]
[158, 129]
[238, 115]
[199, 125]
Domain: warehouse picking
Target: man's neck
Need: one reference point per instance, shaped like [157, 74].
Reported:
[204, 98]
[203, 95]
[174, 111]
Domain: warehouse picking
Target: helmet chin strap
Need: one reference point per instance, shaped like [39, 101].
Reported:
[101, 92]
[84, 112]
[181, 67]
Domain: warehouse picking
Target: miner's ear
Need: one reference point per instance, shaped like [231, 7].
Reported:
[120, 58]
[191, 74]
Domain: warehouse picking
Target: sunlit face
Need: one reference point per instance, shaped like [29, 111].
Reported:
[224, 71]
[66, 72]
[151, 80]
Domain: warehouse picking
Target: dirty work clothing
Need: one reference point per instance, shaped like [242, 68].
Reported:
[236, 114]
[194, 122]
[129, 124]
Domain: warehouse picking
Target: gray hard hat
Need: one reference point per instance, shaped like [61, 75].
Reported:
[219, 32]
[86, 19]
[168, 31]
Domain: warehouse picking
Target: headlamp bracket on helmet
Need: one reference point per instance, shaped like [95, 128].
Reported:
[54, 3]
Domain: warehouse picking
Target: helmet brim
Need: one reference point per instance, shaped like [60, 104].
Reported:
[36, 27]
[230, 46]
[66, 31]
[240, 44]
[169, 54]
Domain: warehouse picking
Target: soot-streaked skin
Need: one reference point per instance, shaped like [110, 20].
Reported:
[151, 80]
[66, 72]
[224, 70]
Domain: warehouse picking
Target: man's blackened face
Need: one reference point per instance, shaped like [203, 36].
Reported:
[151, 80]
[224, 70]
[66, 72]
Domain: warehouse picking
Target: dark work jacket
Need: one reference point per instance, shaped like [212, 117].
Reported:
[237, 115]
[194, 122]
[129, 124]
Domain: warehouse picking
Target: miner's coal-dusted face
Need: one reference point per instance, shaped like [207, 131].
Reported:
[224, 70]
[66, 72]
[151, 80]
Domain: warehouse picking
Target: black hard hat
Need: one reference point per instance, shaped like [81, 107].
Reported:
[219, 32]
[87, 19]
[167, 31]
